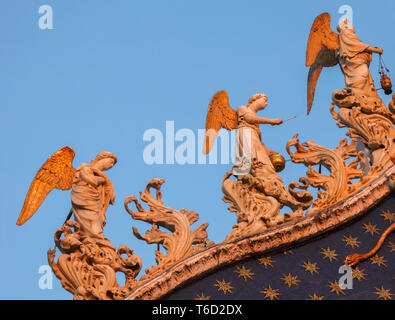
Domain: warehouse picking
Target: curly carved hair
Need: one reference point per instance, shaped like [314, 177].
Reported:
[105, 155]
[256, 97]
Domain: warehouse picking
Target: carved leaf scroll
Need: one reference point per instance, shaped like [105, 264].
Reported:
[181, 242]
[336, 185]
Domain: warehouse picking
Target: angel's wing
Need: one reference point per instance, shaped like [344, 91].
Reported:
[57, 172]
[219, 115]
[321, 47]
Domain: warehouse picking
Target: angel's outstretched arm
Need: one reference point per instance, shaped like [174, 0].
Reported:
[254, 119]
[374, 50]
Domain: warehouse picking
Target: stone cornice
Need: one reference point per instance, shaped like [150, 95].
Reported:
[281, 237]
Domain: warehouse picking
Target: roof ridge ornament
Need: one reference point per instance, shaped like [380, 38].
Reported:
[181, 242]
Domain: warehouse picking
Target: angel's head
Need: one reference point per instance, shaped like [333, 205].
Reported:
[258, 101]
[345, 25]
[104, 161]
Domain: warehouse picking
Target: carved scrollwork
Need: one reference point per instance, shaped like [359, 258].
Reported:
[338, 184]
[87, 266]
[258, 197]
[372, 132]
[181, 242]
[369, 120]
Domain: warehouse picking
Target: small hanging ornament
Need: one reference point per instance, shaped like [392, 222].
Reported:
[385, 80]
[278, 162]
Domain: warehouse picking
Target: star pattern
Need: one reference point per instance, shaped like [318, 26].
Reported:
[224, 286]
[334, 287]
[359, 274]
[244, 272]
[379, 261]
[290, 280]
[351, 241]
[329, 254]
[310, 267]
[315, 297]
[202, 297]
[266, 261]
[388, 216]
[311, 271]
[370, 228]
[384, 294]
[270, 293]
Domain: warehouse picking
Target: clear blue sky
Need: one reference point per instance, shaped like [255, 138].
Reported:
[109, 70]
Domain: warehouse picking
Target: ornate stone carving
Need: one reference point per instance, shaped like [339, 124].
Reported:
[282, 238]
[87, 266]
[368, 120]
[391, 104]
[326, 48]
[259, 193]
[181, 242]
[338, 184]
[257, 201]
[88, 263]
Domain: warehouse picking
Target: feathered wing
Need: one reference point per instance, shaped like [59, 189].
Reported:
[219, 115]
[57, 172]
[321, 52]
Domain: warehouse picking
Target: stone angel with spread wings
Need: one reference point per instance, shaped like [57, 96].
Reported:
[245, 119]
[259, 192]
[91, 190]
[326, 48]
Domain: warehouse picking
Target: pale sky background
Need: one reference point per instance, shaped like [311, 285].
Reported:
[109, 70]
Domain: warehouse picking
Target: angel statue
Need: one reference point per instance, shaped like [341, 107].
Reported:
[361, 109]
[91, 194]
[326, 48]
[259, 192]
[88, 264]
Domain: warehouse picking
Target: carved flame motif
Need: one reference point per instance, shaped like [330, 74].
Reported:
[338, 184]
[369, 120]
[181, 242]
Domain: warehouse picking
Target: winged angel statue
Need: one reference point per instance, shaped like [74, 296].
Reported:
[92, 192]
[326, 48]
[361, 109]
[259, 193]
[88, 264]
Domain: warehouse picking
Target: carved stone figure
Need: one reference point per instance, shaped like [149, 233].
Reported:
[326, 48]
[361, 110]
[88, 264]
[259, 193]
[91, 192]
